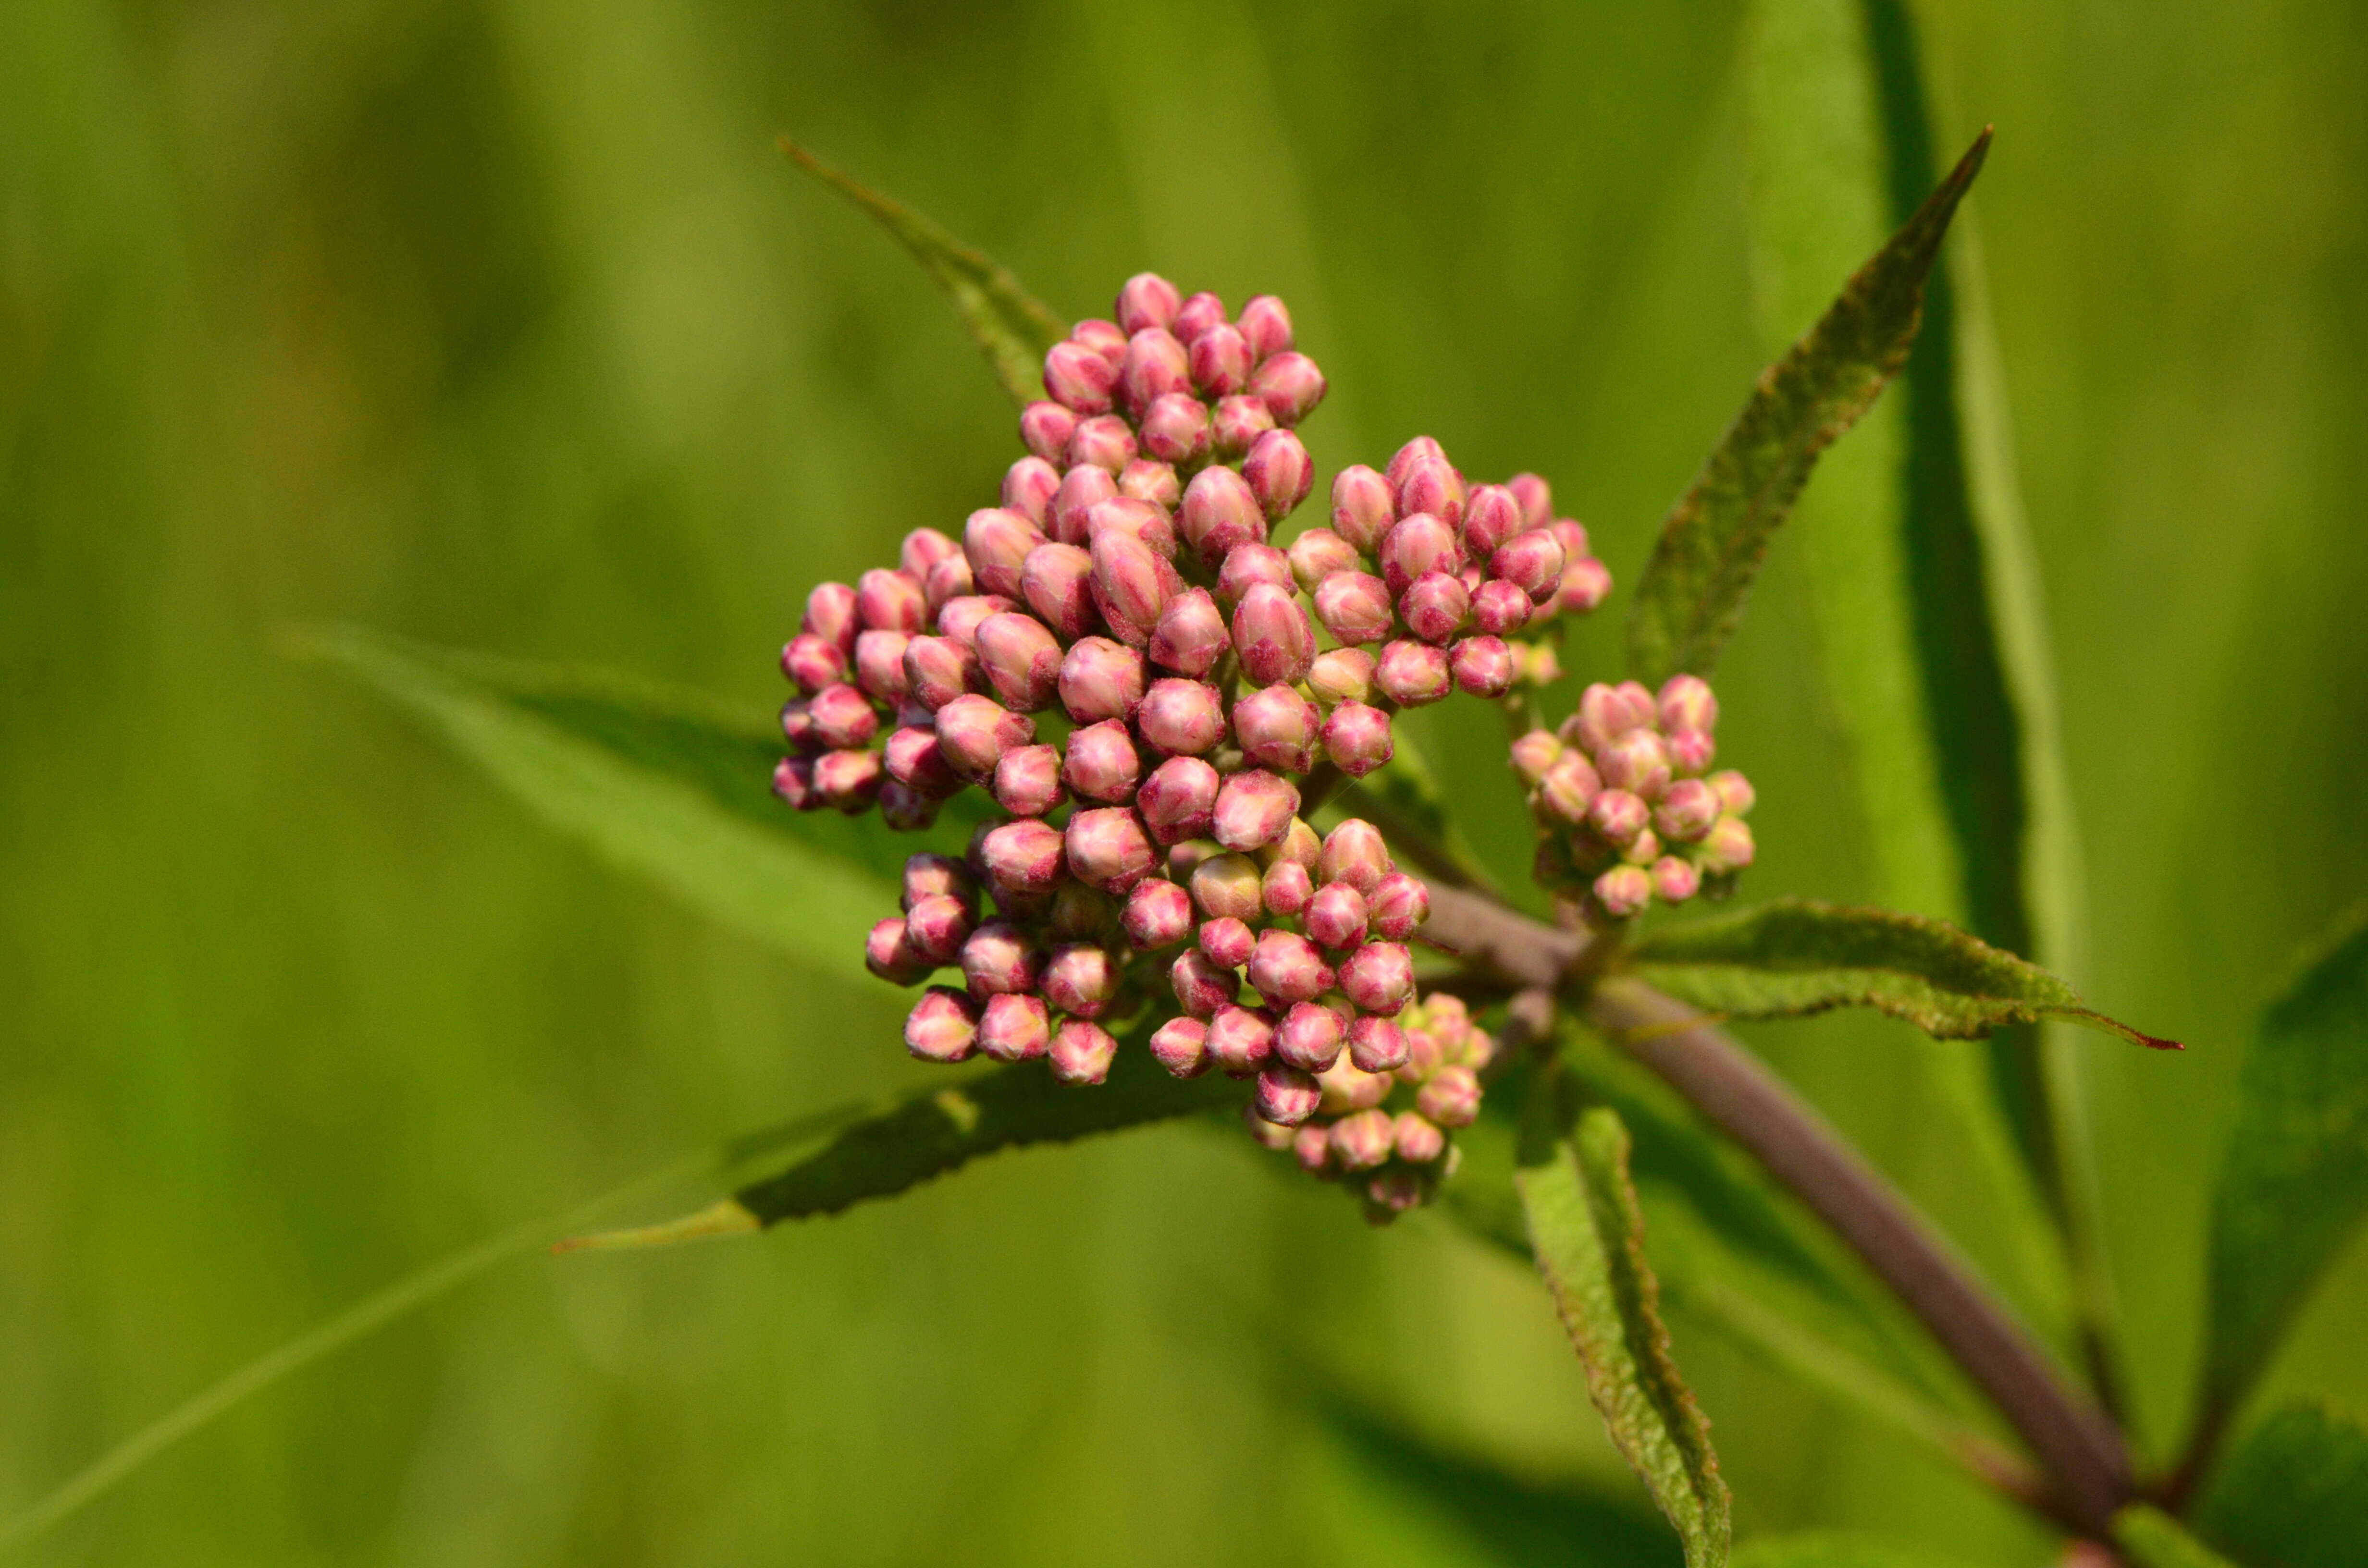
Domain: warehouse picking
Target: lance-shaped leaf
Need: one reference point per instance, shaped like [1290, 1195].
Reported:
[2294, 1494]
[1712, 542]
[672, 786]
[1790, 957]
[1835, 1550]
[2152, 1538]
[2296, 1185]
[1588, 1234]
[1011, 326]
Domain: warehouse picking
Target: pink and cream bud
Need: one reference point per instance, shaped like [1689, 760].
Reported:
[974, 732]
[1241, 1039]
[1014, 1029]
[1531, 561]
[1146, 300]
[1290, 385]
[1379, 977]
[813, 662]
[1277, 728]
[1179, 799]
[943, 1026]
[1219, 513]
[1363, 508]
[1618, 815]
[1355, 608]
[1028, 780]
[1341, 675]
[1191, 636]
[1101, 680]
[1413, 674]
[1080, 980]
[1377, 1045]
[1237, 423]
[888, 953]
[1420, 543]
[1287, 1096]
[1155, 367]
[1078, 378]
[1176, 430]
[1364, 1140]
[1082, 1052]
[1181, 1046]
[1687, 810]
[1484, 666]
[1254, 809]
[1727, 847]
[830, 615]
[1357, 738]
[1452, 1098]
[1280, 473]
[1287, 968]
[1157, 915]
[1108, 849]
[1182, 718]
[1491, 515]
[1226, 943]
[1354, 853]
[1286, 889]
[1624, 891]
[1023, 857]
[1499, 606]
[1221, 361]
[1308, 1038]
[1228, 887]
[995, 541]
[1337, 917]
[1675, 881]
[1000, 960]
[1044, 429]
[1021, 659]
[1399, 906]
[1272, 636]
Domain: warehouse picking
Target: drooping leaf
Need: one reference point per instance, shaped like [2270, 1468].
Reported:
[2294, 1494]
[1588, 1234]
[1011, 326]
[1824, 1549]
[2152, 1538]
[671, 786]
[1789, 958]
[2296, 1185]
[1712, 542]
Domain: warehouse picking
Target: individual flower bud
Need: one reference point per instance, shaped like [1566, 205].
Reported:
[1226, 943]
[1276, 728]
[1420, 543]
[1100, 680]
[1603, 712]
[1021, 659]
[1146, 300]
[1452, 1098]
[1336, 917]
[1643, 849]
[1308, 1038]
[1105, 339]
[1273, 1138]
[1354, 607]
[1586, 582]
[1056, 582]
[1287, 968]
[1157, 915]
[1198, 312]
[974, 733]
[1181, 1045]
[1435, 606]
[1686, 703]
[1266, 324]
[949, 580]
[914, 760]
[1424, 1056]
[1431, 484]
[1082, 490]
[1411, 673]
[1028, 780]
[1492, 514]
[1637, 762]
[1221, 361]
[1618, 815]
[880, 666]
[1354, 853]
[1675, 881]
[1419, 1141]
[1179, 799]
[1341, 675]
[1690, 751]
[1191, 636]
[1537, 665]
[1357, 738]
[888, 954]
[1082, 1052]
[1156, 366]
[1379, 976]
[1014, 1027]
[1024, 855]
[1044, 428]
[1535, 497]
[1153, 483]
[1255, 808]
[1080, 980]
[1302, 844]
[1101, 763]
[1317, 554]
[1287, 1096]
[995, 541]
[830, 615]
[959, 618]
[1727, 847]
[937, 670]
[1029, 486]
[943, 1026]
[1500, 607]
[1000, 960]
[1286, 889]
[1377, 1045]
[1280, 473]
[1687, 810]
[1078, 378]
[797, 726]
[1291, 386]
[1347, 1087]
[1108, 849]
[1106, 442]
[929, 876]
[1241, 1039]
[1483, 666]
[936, 927]
[1201, 986]
[1363, 1141]
[1531, 561]
[1181, 717]
[1312, 1147]
[1734, 791]
[1248, 566]
[1533, 754]
[1228, 887]
[1128, 583]
[1399, 906]
[849, 779]
[1272, 636]
[1175, 430]
[1235, 425]
[813, 662]
[1141, 520]
[1624, 892]
[1449, 1021]
[1218, 513]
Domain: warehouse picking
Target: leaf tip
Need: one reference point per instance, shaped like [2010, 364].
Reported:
[727, 1218]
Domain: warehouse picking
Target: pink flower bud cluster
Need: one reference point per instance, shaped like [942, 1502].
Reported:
[1626, 804]
[1387, 1129]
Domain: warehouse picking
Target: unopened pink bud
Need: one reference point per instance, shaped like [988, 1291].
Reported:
[1028, 780]
[1364, 508]
[1127, 585]
[1533, 753]
[1291, 386]
[1021, 659]
[949, 580]
[1411, 673]
[1686, 703]
[1379, 976]
[1312, 1147]
[841, 716]
[1687, 810]
[1286, 889]
[1287, 968]
[1364, 1140]
[1241, 1039]
[1156, 366]
[1191, 635]
[1605, 712]
[1300, 844]
[1235, 425]
[888, 954]
[1100, 680]
[1082, 490]
[1690, 751]
[1624, 892]
[1198, 312]
[1619, 816]
[1336, 917]
[1157, 915]
[1182, 717]
[1433, 485]
[1220, 512]
[1308, 1038]
[1082, 1052]
[1637, 762]
[943, 1026]
[1056, 582]
[1734, 791]
[1286, 1096]
[1421, 543]
[1272, 636]
[1484, 666]
[1675, 881]
[995, 541]
[931, 876]
[1044, 429]
[1221, 361]
[936, 927]
[1357, 738]
[1419, 1142]
[1143, 521]
[1226, 943]
[1399, 906]
[1500, 607]
[1080, 980]
[1586, 582]
[1176, 430]
[914, 759]
[1347, 1087]
[1029, 486]
[1226, 887]
[1354, 607]
[1377, 1045]
[1078, 378]
[1276, 728]
[1000, 960]
[1492, 514]
[1644, 849]
[1452, 1098]
[830, 615]
[1728, 847]
[1317, 555]
[1280, 473]
[1181, 1045]
[1108, 849]
[1101, 763]
[848, 779]
[1014, 1029]
[937, 670]
[1201, 987]
[1536, 498]
[1254, 809]
[1435, 606]
[1024, 855]
[813, 662]
[974, 733]
[1354, 853]
[880, 666]
[1104, 337]
[1179, 799]
[1146, 300]
[1277, 1139]
[1531, 561]
[1266, 324]
[1341, 675]
[1414, 451]
[1150, 482]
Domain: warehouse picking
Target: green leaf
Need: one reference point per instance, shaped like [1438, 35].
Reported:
[1822, 1550]
[1011, 326]
[1793, 957]
[672, 786]
[2295, 1183]
[1712, 542]
[1588, 1232]
[2152, 1538]
[2294, 1494]
[1405, 801]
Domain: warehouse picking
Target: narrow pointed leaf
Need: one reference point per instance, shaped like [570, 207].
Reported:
[1790, 957]
[2152, 1538]
[1011, 326]
[1712, 544]
[2296, 1185]
[1822, 1550]
[2294, 1494]
[1588, 1232]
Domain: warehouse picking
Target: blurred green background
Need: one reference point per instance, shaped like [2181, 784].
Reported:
[503, 325]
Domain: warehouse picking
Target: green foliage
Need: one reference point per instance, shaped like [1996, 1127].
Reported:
[1824, 1549]
[1588, 1234]
[2294, 1494]
[1404, 799]
[2296, 1185]
[2152, 1538]
[1011, 326]
[1790, 957]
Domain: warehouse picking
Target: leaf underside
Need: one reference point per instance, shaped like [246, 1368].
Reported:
[1691, 596]
[2294, 1494]
[1791, 958]
[1011, 326]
